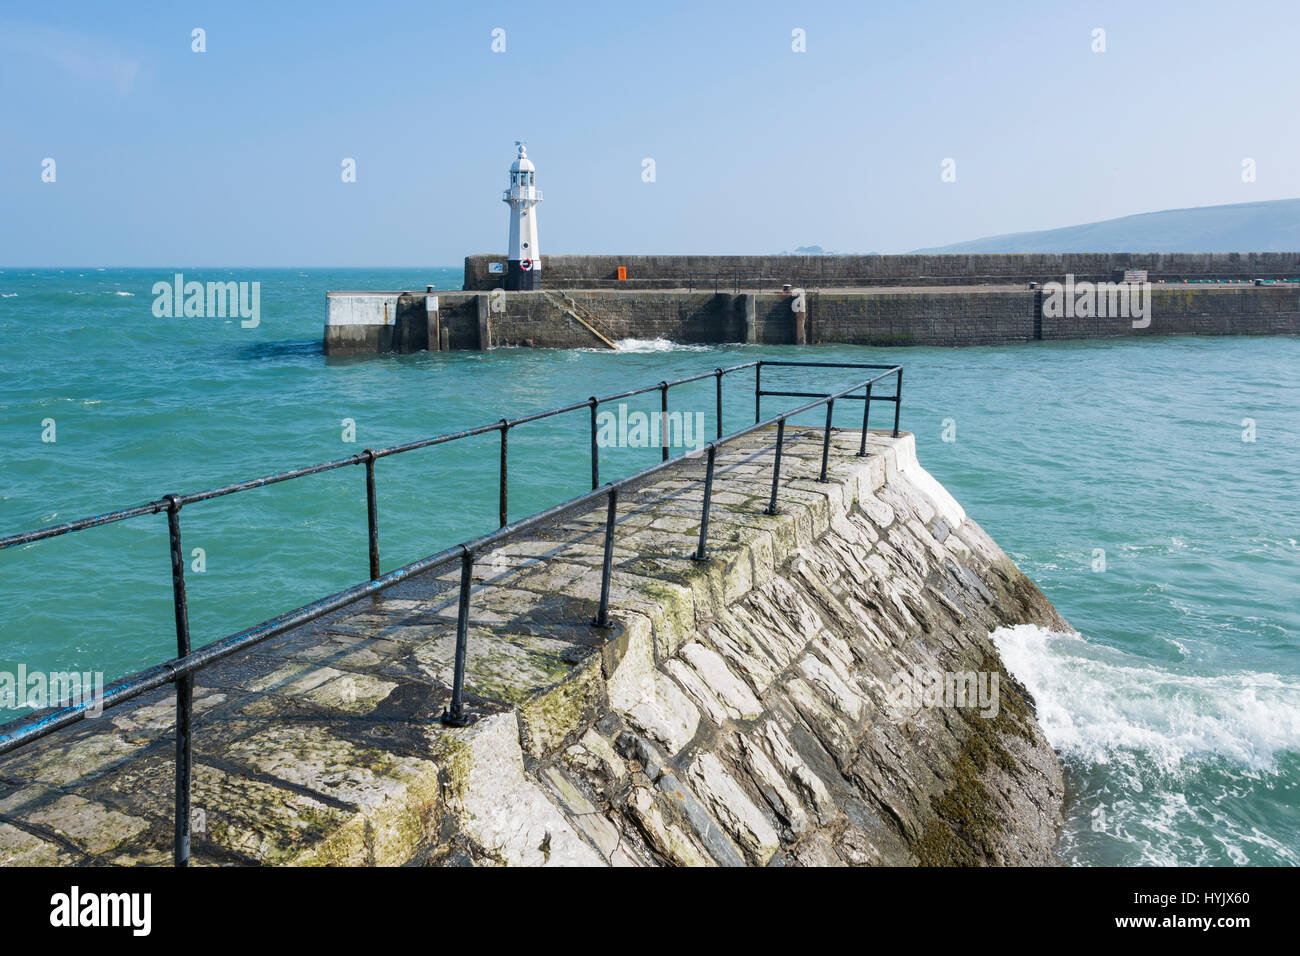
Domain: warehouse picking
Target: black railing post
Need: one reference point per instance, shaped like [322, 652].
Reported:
[184, 688]
[826, 440]
[701, 552]
[663, 418]
[503, 496]
[455, 715]
[758, 393]
[717, 372]
[372, 513]
[866, 417]
[595, 445]
[607, 565]
[776, 466]
[898, 400]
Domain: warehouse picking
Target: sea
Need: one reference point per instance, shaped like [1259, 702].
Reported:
[1149, 486]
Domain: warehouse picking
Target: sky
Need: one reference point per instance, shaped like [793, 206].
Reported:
[164, 156]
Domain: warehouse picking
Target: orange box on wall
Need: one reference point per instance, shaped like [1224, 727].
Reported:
[622, 272]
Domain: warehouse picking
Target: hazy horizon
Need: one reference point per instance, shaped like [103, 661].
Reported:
[966, 247]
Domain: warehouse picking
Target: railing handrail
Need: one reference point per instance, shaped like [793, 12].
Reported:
[182, 668]
[161, 504]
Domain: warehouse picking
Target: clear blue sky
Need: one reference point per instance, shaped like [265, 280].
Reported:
[232, 157]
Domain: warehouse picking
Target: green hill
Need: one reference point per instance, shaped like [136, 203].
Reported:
[1272, 226]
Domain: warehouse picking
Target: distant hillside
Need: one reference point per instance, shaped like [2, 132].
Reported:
[1242, 227]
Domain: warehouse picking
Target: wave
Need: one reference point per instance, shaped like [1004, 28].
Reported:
[658, 345]
[1100, 706]
[1163, 767]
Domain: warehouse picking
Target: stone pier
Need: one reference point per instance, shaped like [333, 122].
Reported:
[878, 316]
[742, 711]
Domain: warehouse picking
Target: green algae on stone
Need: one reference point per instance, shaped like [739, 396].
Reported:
[548, 719]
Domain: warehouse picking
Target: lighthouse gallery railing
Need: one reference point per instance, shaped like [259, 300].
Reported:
[181, 669]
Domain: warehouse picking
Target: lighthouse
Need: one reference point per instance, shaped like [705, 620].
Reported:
[524, 264]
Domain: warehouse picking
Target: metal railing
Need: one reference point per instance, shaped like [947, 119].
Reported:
[181, 669]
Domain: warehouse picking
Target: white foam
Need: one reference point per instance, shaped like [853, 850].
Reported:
[1100, 705]
[658, 345]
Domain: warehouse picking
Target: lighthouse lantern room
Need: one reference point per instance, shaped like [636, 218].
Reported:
[524, 264]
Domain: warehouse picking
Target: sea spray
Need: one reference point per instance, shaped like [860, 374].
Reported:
[1164, 766]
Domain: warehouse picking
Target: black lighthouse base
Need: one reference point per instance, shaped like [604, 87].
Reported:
[519, 279]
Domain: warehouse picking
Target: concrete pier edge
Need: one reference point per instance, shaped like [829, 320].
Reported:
[734, 716]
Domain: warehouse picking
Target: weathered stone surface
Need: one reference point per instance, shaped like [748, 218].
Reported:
[733, 809]
[739, 712]
[649, 700]
[503, 810]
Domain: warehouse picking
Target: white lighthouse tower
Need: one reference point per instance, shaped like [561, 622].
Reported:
[524, 264]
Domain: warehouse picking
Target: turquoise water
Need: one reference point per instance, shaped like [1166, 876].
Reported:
[1176, 708]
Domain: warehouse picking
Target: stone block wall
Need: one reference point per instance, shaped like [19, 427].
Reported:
[575, 271]
[686, 317]
[1207, 311]
[967, 318]
[953, 317]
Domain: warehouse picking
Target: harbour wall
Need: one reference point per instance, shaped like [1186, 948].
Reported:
[741, 711]
[587, 272]
[369, 323]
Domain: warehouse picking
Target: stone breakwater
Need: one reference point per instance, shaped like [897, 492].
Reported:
[949, 300]
[366, 323]
[742, 711]
[832, 271]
